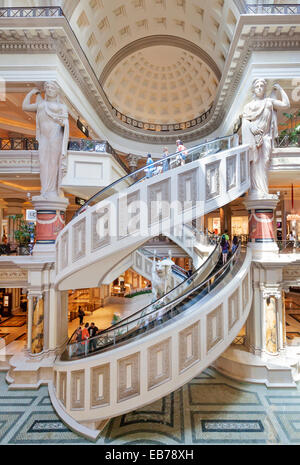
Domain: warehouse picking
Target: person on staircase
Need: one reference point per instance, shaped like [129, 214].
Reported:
[182, 152]
[150, 168]
[93, 330]
[224, 244]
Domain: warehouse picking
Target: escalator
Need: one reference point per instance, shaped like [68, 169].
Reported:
[125, 215]
[182, 296]
[163, 346]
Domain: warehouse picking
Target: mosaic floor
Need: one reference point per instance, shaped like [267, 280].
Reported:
[211, 409]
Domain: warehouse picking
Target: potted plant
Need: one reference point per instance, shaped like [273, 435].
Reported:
[23, 233]
[290, 135]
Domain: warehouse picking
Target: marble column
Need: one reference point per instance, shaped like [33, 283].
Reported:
[37, 339]
[50, 221]
[261, 225]
[29, 321]
[2, 206]
[273, 342]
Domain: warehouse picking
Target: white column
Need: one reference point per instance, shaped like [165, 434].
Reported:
[29, 321]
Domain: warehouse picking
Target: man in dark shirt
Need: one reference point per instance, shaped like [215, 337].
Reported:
[93, 330]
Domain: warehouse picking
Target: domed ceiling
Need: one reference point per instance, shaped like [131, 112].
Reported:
[161, 84]
[157, 81]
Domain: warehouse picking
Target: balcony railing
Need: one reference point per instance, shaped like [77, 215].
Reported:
[288, 246]
[77, 145]
[86, 145]
[18, 144]
[266, 9]
[159, 127]
[31, 12]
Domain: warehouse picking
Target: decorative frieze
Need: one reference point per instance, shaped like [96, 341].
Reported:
[13, 275]
[63, 45]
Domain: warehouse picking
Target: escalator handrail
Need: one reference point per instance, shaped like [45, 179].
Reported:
[134, 173]
[156, 301]
[202, 284]
[122, 322]
[174, 302]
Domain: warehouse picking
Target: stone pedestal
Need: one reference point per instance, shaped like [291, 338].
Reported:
[50, 221]
[261, 224]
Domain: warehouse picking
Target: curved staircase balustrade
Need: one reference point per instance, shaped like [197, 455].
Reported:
[145, 369]
[75, 350]
[103, 234]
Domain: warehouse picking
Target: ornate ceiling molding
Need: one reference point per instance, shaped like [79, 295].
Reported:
[152, 41]
[62, 41]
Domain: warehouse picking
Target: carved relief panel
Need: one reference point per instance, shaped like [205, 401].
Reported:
[231, 180]
[79, 240]
[212, 180]
[100, 228]
[215, 327]
[159, 201]
[129, 214]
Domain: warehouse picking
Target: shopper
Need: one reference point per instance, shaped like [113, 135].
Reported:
[225, 235]
[166, 163]
[78, 337]
[81, 314]
[225, 249]
[150, 168]
[93, 330]
[84, 337]
[182, 152]
[234, 244]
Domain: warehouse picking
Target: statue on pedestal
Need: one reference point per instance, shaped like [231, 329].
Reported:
[52, 133]
[162, 280]
[259, 129]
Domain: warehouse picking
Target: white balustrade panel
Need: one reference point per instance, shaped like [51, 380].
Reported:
[93, 243]
[127, 377]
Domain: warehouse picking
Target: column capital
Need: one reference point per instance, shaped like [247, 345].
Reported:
[32, 294]
[253, 202]
[271, 291]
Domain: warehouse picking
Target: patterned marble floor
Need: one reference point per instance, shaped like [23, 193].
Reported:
[211, 409]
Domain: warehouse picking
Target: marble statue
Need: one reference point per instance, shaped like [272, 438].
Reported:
[52, 134]
[259, 129]
[162, 279]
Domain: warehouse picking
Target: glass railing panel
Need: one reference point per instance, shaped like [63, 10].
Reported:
[146, 317]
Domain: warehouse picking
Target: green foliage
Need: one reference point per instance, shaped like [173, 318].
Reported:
[148, 291]
[23, 229]
[292, 134]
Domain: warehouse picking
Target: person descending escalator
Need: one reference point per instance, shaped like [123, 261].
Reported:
[165, 163]
[84, 338]
[150, 168]
[93, 330]
[224, 244]
[234, 244]
[182, 152]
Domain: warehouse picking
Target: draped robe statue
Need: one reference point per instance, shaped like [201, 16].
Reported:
[52, 133]
[259, 129]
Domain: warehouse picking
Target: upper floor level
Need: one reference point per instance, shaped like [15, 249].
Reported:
[145, 73]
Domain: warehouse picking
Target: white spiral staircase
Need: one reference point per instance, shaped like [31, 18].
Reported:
[136, 365]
